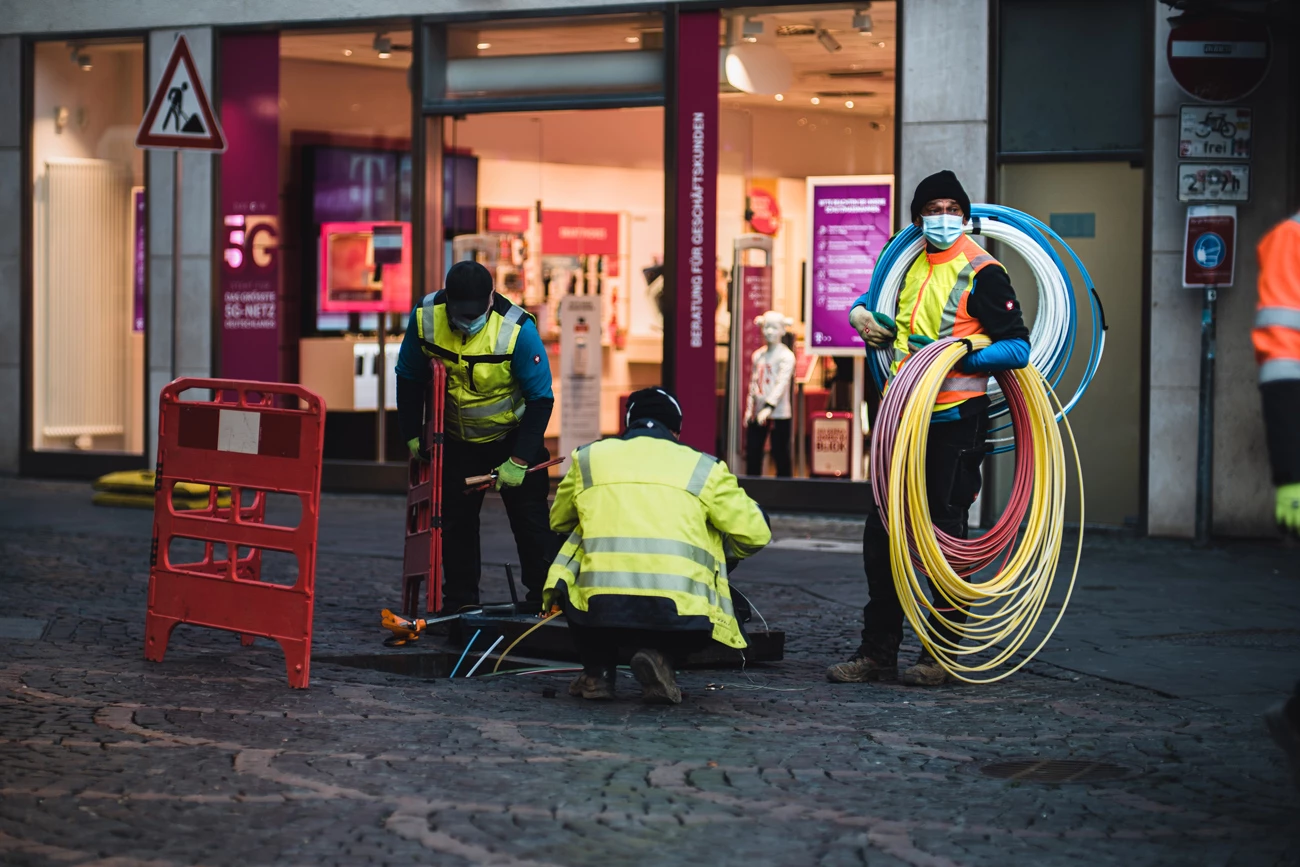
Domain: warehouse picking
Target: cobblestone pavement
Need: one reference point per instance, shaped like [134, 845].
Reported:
[209, 758]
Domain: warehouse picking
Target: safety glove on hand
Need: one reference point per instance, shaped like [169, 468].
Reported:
[510, 474]
[417, 452]
[917, 342]
[1288, 509]
[877, 329]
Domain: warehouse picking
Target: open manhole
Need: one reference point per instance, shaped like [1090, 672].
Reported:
[1056, 771]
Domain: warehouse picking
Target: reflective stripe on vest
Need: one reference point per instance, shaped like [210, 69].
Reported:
[484, 401]
[1284, 317]
[639, 545]
[1278, 370]
[655, 581]
[701, 475]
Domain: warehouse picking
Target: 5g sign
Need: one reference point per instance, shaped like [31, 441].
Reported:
[250, 239]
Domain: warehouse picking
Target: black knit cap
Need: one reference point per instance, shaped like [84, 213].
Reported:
[940, 185]
[657, 405]
[469, 286]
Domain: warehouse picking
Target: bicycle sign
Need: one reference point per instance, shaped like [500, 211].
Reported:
[1214, 132]
[1213, 182]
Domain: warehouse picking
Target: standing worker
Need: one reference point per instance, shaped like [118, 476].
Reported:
[651, 524]
[498, 402]
[1277, 351]
[955, 289]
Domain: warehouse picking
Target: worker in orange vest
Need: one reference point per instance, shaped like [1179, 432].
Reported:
[1277, 350]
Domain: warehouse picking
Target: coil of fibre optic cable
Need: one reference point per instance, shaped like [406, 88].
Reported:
[1052, 336]
[1002, 610]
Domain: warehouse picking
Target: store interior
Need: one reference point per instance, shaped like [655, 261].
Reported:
[559, 203]
[88, 247]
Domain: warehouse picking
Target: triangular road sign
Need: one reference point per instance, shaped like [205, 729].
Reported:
[179, 115]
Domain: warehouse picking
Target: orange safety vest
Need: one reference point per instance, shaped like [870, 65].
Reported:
[1277, 318]
[933, 302]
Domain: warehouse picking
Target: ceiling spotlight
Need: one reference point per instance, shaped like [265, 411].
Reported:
[484, 46]
[780, 97]
[383, 46]
[848, 103]
[631, 40]
[816, 101]
[751, 30]
[80, 59]
[347, 52]
[830, 43]
[862, 20]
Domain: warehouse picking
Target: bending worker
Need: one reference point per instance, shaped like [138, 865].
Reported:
[955, 289]
[651, 524]
[1277, 350]
[498, 402]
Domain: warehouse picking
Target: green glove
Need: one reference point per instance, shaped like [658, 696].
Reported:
[510, 474]
[416, 453]
[886, 321]
[918, 342]
[1288, 508]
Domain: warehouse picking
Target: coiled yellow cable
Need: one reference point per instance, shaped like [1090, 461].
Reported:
[1004, 609]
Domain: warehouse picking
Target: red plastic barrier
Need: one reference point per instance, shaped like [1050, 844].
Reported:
[244, 441]
[422, 556]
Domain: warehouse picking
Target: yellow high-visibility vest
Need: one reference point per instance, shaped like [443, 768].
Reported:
[647, 516]
[484, 401]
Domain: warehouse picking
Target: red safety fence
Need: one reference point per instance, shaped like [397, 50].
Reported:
[255, 438]
[422, 556]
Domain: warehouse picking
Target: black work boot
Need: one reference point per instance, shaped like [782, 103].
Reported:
[655, 674]
[593, 685]
[862, 669]
[926, 672]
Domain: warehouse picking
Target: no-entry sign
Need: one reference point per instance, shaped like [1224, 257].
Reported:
[1209, 246]
[1218, 59]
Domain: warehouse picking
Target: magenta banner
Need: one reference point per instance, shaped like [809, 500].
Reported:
[138, 265]
[850, 226]
[250, 207]
[695, 228]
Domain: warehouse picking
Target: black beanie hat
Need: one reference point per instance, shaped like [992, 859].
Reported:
[469, 286]
[657, 405]
[940, 185]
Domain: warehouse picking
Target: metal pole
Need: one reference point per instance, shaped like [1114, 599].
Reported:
[1205, 431]
[381, 367]
[176, 263]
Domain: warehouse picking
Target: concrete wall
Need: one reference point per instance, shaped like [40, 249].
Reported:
[11, 235]
[194, 357]
[1243, 501]
[944, 126]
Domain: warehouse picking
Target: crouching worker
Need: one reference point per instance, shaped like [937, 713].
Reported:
[651, 524]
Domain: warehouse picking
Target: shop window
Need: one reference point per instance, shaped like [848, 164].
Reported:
[806, 92]
[88, 258]
[1070, 76]
[619, 56]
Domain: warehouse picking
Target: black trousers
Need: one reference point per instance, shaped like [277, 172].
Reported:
[953, 457]
[598, 647]
[526, 507]
[756, 435]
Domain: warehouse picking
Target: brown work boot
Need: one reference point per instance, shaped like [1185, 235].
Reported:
[926, 672]
[655, 674]
[595, 686]
[860, 669]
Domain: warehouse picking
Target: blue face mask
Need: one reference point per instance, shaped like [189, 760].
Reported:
[470, 326]
[942, 230]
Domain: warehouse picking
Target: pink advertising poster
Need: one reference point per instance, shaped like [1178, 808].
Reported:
[850, 223]
[365, 267]
[250, 208]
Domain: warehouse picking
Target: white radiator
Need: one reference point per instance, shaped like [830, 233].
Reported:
[84, 298]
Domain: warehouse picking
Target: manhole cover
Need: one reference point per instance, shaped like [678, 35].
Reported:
[1055, 771]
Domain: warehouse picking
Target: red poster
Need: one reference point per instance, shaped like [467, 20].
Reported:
[755, 300]
[365, 267]
[692, 275]
[507, 219]
[579, 233]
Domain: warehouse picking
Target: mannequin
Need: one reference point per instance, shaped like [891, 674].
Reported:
[767, 405]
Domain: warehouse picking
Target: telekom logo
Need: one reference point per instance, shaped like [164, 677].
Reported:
[370, 170]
